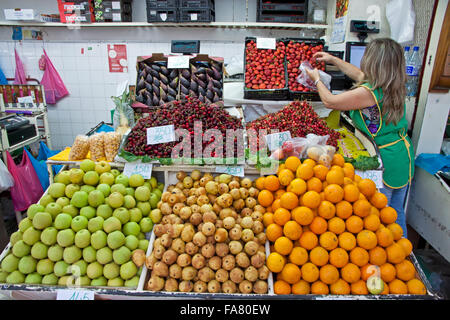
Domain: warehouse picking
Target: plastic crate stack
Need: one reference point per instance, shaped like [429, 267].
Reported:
[113, 11]
[180, 11]
[286, 11]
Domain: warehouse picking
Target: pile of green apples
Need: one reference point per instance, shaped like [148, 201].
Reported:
[85, 230]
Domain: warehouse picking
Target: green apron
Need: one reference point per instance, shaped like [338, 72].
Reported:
[395, 146]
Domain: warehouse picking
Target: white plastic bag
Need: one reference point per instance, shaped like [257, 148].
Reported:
[401, 17]
[306, 81]
[6, 179]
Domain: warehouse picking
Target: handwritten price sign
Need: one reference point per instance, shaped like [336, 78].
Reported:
[266, 43]
[160, 134]
[237, 171]
[178, 62]
[74, 295]
[374, 175]
[275, 140]
[144, 169]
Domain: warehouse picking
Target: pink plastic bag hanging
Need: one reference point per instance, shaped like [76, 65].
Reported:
[19, 77]
[27, 189]
[53, 85]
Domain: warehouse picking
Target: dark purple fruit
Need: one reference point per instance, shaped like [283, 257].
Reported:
[174, 83]
[156, 67]
[201, 83]
[155, 100]
[149, 101]
[170, 98]
[216, 98]
[216, 83]
[155, 90]
[216, 74]
[149, 87]
[193, 69]
[209, 72]
[171, 91]
[218, 91]
[185, 73]
[165, 71]
[140, 98]
[163, 78]
[201, 70]
[184, 90]
[192, 93]
[194, 85]
[210, 94]
[141, 84]
[154, 73]
[201, 91]
[173, 74]
[162, 94]
[185, 82]
[201, 98]
[210, 85]
[163, 86]
[149, 78]
[143, 74]
[201, 76]
[156, 82]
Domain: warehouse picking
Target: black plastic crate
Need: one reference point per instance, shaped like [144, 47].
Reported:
[264, 94]
[287, 17]
[196, 15]
[277, 5]
[162, 15]
[165, 4]
[197, 4]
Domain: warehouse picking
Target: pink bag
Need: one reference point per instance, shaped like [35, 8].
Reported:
[20, 77]
[53, 85]
[27, 189]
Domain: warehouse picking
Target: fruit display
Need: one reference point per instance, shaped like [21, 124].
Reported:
[211, 237]
[183, 115]
[331, 232]
[89, 229]
[203, 80]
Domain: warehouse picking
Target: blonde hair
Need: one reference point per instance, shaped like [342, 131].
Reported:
[383, 65]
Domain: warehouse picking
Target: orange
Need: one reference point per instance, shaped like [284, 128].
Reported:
[271, 183]
[369, 270]
[289, 200]
[305, 171]
[292, 230]
[328, 274]
[298, 256]
[377, 256]
[283, 245]
[335, 176]
[276, 204]
[338, 160]
[340, 287]
[385, 288]
[349, 171]
[326, 210]
[275, 262]
[281, 167]
[348, 181]
[366, 239]
[395, 253]
[328, 240]
[259, 183]
[281, 216]
[357, 178]
[397, 286]
[375, 211]
[387, 272]
[301, 287]
[324, 184]
[384, 237]
[308, 240]
[279, 193]
[310, 272]
[318, 225]
[291, 273]
[388, 215]
[314, 184]
[281, 287]
[372, 222]
[351, 193]
[310, 162]
[311, 199]
[415, 286]
[336, 225]
[285, 177]
[334, 193]
[362, 197]
[292, 163]
[359, 256]
[338, 257]
[405, 270]
[359, 287]
[319, 256]
[344, 209]
[303, 215]
[320, 172]
[265, 198]
[367, 187]
[273, 232]
[397, 231]
[319, 287]
[354, 224]
[267, 219]
[406, 245]
[379, 200]
[322, 196]
[362, 208]
[350, 273]
[347, 241]
[297, 186]
[269, 209]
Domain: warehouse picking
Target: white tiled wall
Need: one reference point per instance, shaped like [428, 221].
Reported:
[87, 78]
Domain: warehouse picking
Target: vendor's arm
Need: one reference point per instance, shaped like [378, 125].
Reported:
[358, 98]
[349, 69]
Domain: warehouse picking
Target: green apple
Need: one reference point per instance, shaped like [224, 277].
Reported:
[95, 224]
[136, 180]
[10, 263]
[71, 189]
[115, 172]
[87, 165]
[15, 277]
[141, 235]
[90, 254]
[143, 244]
[78, 268]
[55, 253]
[76, 176]
[84, 281]
[16, 236]
[102, 167]
[54, 209]
[45, 266]
[65, 238]
[3, 276]
[153, 200]
[131, 228]
[111, 270]
[88, 212]
[91, 178]
[122, 179]
[79, 223]
[99, 282]
[83, 238]
[96, 198]
[146, 225]
[42, 220]
[115, 200]
[63, 221]
[56, 190]
[72, 254]
[116, 282]
[131, 242]
[156, 215]
[50, 279]
[31, 236]
[60, 268]
[79, 199]
[120, 188]
[375, 284]
[94, 270]
[67, 281]
[157, 192]
[24, 224]
[153, 182]
[45, 200]
[147, 185]
[33, 209]
[105, 189]
[142, 193]
[33, 278]
[135, 214]
[132, 283]
[130, 191]
[87, 188]
[63, 201]
[121, 255]
[21, 249]
[98, 239]
[63, 177]
[129, 202]
[27, 265]
[144, 207]
[161, 186]
[104, 255]
[107, 178]
[39, 251]
[104, 211]
[128, 270]
[70, 209]
[48, 236]
[122, 214]
[116, 239]
[112, 224]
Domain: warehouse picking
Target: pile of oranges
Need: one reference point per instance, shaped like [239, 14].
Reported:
[330, 230]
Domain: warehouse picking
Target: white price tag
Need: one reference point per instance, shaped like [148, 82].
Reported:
[116, 5]
[266, 43]
[275, 140]
[163, 16]
[27, 99]
[144, 169]
[161, 134]
[237, 171]
[117, 17]
[193, 17]
[374, 175]
[178, 62]
[75, 294]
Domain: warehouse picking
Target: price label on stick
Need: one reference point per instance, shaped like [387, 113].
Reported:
[266, 43]
[178, 62]
[74, 295]
[374, 175]
[144, 169]
[275, 140]
[237, 171]
[161, 134]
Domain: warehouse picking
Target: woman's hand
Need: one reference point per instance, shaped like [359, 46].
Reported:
[324, 57]
[313, 74]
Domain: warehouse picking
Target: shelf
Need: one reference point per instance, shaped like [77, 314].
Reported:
[231, 25]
